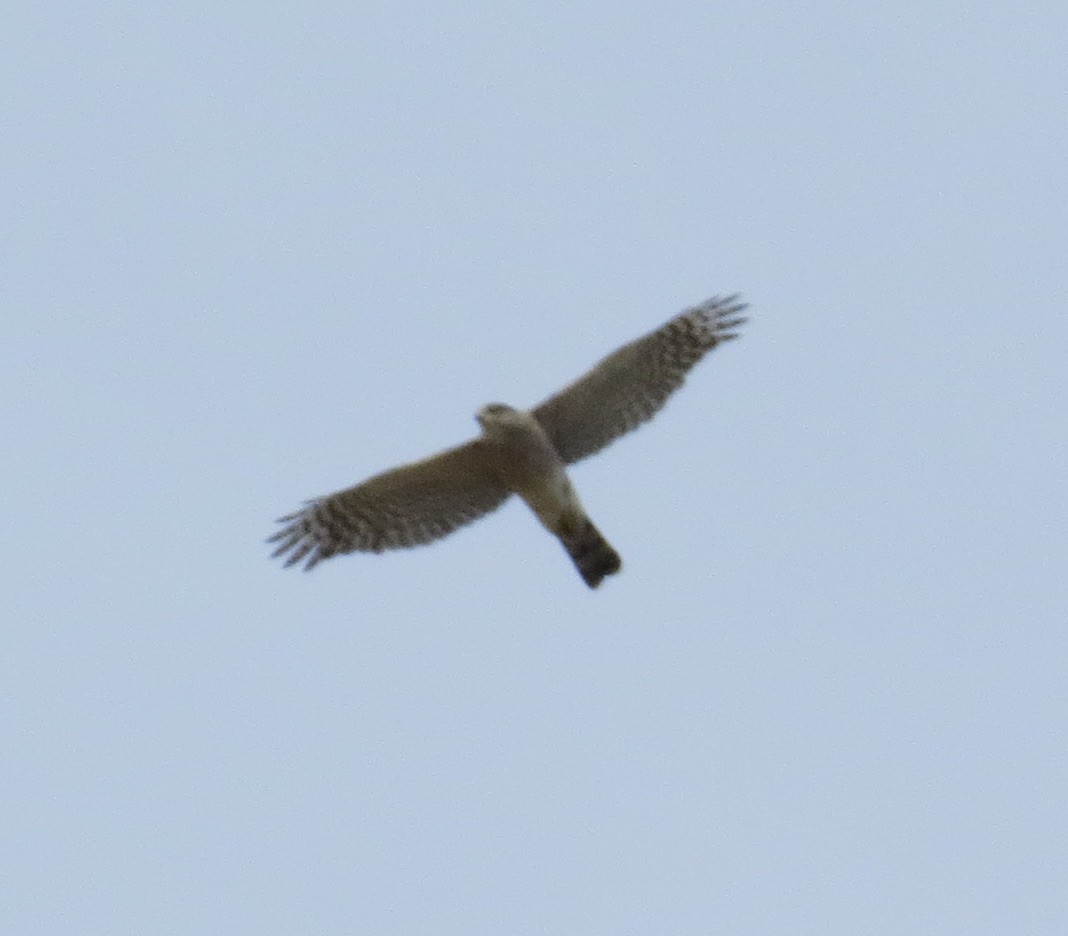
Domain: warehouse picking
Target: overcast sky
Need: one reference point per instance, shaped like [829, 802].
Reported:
[252, 253]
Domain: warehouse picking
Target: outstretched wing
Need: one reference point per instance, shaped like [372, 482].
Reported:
[632, 384]
[406, 506]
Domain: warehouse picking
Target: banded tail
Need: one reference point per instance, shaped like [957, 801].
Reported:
[591, 553]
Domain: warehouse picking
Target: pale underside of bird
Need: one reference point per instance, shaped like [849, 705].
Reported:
[522, 452]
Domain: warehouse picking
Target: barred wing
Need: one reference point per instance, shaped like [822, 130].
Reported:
[632, 384]
[406, 506]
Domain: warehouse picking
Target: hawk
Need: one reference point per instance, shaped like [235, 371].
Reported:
[522, 452]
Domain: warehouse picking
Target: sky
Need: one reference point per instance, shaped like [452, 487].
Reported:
[253, 253]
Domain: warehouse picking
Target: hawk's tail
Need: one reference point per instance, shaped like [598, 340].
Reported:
[591, 553]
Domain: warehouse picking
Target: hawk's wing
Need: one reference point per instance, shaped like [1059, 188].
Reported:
[631, 385]
[406, 506]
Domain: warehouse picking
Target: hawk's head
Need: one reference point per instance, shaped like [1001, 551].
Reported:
[500, 420]
[497, 414]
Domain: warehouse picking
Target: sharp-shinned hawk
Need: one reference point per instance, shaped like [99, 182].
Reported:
[520, 452]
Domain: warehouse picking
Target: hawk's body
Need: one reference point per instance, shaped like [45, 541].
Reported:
[519, 452]
[528, 464]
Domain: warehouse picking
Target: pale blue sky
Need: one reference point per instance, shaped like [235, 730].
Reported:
[255, 253]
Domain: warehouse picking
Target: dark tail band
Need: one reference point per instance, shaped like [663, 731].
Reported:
[592, 554]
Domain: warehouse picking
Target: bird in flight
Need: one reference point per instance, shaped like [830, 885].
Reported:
[522, 452]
